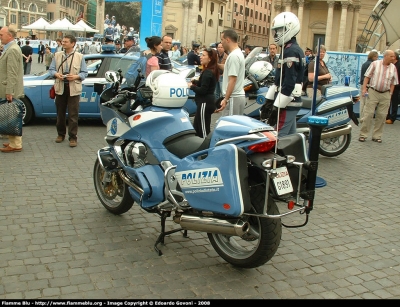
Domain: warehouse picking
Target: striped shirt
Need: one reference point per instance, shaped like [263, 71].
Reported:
[381, 76]
[164, 61]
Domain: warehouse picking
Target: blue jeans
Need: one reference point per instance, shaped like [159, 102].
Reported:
[218, 87]
[27, 68]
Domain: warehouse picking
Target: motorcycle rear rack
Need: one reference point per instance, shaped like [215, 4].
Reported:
[270, 169]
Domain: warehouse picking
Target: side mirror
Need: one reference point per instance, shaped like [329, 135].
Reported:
[188, 73]
[111, 76]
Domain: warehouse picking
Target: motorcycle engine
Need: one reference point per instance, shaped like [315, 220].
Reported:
[135, 154]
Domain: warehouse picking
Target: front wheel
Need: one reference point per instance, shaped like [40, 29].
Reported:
[260, 243]
[332, 147]
[111, 190]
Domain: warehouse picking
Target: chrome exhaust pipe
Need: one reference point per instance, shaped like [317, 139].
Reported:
[231, 227]
[125, 178]
[337, 132]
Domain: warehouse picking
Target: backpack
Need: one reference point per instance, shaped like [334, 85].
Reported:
[132, 72]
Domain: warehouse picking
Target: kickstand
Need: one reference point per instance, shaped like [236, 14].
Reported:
[164, 233]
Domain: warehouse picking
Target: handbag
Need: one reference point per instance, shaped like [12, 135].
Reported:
[52, 92]
[11, 117]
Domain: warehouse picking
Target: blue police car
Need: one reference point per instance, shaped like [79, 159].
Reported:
[36, 87]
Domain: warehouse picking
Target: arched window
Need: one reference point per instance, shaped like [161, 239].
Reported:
[199, 19]
[33, 8]
[210, 23]
[13, 4]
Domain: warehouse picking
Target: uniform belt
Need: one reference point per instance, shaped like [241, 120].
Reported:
[379, 91]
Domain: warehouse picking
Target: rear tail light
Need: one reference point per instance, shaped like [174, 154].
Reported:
[266, 146]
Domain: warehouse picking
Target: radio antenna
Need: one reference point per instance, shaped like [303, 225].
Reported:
[280, 81]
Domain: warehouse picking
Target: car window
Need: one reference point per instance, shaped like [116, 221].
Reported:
[123, 63]
[93, 66]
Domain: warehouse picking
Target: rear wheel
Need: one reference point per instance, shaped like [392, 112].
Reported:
[113, 193]
[260, 243]
[28, 113]
[332, 147]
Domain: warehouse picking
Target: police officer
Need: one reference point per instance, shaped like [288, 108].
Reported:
[129, 42]
[193, 57]
[108, 40]
[117, 44]
[286, 94]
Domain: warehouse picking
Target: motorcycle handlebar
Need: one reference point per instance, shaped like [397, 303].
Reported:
[120, 99]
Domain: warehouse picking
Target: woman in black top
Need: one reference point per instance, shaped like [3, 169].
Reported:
[204, 89]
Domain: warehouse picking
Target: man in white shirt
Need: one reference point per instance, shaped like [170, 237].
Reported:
[175, 53]
[233, 77]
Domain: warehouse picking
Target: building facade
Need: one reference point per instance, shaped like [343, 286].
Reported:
[21, 12]
[338, 24]
[202, 21]
[70, 9]
[251, 19]
[25, 12]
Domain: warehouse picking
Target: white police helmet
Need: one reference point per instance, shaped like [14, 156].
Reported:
[169, 89]
[284, 26]
[260, 70]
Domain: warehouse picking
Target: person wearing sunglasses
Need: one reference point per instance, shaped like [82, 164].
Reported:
[204, 89]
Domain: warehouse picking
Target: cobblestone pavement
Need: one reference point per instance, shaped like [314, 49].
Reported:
[57, 240]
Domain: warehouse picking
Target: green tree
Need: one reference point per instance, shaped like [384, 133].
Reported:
[126, 13]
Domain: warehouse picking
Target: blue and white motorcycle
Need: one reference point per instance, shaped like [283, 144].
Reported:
[228, 185]
[336, 104]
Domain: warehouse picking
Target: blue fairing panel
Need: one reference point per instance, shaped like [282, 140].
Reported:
[215, 180]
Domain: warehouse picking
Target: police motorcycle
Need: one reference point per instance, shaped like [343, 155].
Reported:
[336, 104]
[236, 185]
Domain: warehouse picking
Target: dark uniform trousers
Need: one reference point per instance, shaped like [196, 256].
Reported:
[63, 102]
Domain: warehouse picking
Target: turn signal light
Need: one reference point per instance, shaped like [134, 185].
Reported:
[137, 117]
[226, 206]
[248, 87]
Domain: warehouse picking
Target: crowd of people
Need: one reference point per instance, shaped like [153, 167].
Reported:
[223, 73]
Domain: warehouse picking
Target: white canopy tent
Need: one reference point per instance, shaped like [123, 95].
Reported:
[389, 12]
[87, 28]
[64, 25]
[39, 24]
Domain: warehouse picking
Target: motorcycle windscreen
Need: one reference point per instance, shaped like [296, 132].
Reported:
[216, 180]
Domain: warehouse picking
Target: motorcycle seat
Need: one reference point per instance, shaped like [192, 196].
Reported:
[307, 102]
[186, 142]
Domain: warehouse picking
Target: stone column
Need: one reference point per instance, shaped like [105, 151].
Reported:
[329, 22]
[300, 16]
[288, 5]
[100, 16]
[353, 41]
[278, 9]
[185, 22]
[342, 27]
[191, 29]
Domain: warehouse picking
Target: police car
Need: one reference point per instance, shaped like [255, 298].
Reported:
[36, 87]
